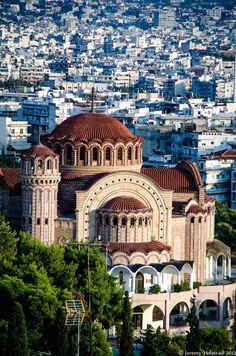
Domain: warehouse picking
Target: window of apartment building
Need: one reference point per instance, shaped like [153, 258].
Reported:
[234, 196]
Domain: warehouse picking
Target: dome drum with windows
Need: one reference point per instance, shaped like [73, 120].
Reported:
[124, 219]
[89, 143]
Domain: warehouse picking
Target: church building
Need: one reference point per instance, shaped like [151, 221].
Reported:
[86, 181]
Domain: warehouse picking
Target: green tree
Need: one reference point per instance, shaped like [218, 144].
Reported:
[8, 246]
[225, 224]
[100, 346]
[156, 343]
[216, 340]
[194, 334]
[17, 343]
[127, 334]
[41, 278]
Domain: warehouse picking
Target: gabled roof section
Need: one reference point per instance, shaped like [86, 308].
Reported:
[185, 177]
[10, 179]
[224, 154]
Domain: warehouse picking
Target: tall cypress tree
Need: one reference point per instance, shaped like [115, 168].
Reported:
[17, 342]
[194, 334]
[127, 336]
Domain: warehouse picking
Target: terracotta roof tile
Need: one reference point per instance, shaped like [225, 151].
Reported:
[90, 127]
[170, 179]
[124, 203]
[224, 154]
[144, 247]
[10, 178]
[196, 209]
[39, 151]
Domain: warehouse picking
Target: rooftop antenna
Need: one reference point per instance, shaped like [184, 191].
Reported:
[92, 101]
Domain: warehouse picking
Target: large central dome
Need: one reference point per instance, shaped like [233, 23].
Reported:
[91, 127]
[93, 143]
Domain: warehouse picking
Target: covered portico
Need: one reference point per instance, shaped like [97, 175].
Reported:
[140, 278]
[218, 261]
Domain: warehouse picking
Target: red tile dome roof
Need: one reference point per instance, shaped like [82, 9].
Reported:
[124, 203]
[144, 247]
[91, 127]
[196, 209]
[39, 151]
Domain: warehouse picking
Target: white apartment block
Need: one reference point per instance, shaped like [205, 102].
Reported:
[14, 134]
[215, 170]
[193, 145]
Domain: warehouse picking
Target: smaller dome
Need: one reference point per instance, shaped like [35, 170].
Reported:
[124, 204]
[39, 151]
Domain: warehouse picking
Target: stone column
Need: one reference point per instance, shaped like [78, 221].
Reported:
[75, 157]
[191, 280]
[179, 278]
[224, 267]
[229, 266]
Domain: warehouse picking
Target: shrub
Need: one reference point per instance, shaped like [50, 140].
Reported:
[196, 284]
[183, 286]
[155, 289]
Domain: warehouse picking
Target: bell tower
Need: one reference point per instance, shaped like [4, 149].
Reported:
[39, 180]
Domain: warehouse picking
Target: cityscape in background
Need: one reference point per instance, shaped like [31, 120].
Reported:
[118, 124]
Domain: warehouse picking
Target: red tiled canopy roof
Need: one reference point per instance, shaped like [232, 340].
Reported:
[90, 127]
[10, 178]
[224, 154]
[124, 203]
[39, 151]
[195, 209]
[144, 247]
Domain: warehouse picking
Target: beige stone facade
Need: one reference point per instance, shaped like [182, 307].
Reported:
[87, 183]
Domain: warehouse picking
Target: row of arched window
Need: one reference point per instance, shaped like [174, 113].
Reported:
[39, 165]
[114, 221]
[93, 154]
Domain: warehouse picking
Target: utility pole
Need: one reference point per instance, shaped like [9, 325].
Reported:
[100, 246]
[89, 305]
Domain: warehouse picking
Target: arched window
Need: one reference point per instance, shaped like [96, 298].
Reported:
[39, 164]
[68, 154]
[129, 153]
[108, 154]
[107, 220]
[123, 221]
[49, 164]
[57, 149]
[146, 221]
[82, 153]
[136, 152]
[100, 220]
[192, 220]
[140, 221]
[120, 154]
[95, 154]
[157, 314]
[200, 220]
[115, 221]
[132, 221]
[31, 164]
